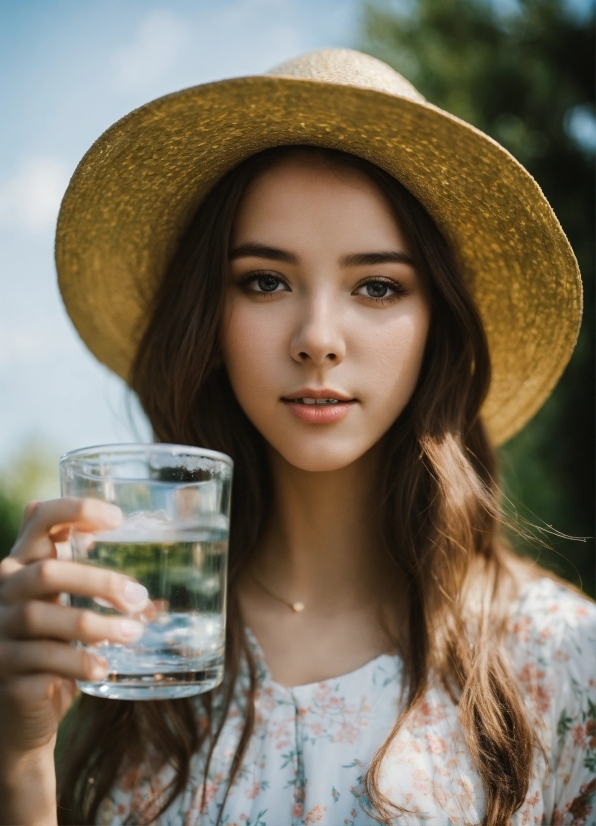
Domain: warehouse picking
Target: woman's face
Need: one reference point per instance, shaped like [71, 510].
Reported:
[327, 318]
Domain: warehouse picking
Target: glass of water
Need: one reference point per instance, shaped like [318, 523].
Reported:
[174, 541]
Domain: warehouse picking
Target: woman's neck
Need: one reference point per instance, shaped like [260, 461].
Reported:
[323, 541]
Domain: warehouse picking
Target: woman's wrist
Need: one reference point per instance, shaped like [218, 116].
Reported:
[28, 788]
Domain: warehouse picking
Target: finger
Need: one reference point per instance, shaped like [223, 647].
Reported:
[50, 577]
[50, 520]
[35, 620]
[9, 566]
[31, 690]
[50, 657]
[27, 515]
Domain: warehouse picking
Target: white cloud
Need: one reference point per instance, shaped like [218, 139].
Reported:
[21, 348]
[31, 198]
[155, 48]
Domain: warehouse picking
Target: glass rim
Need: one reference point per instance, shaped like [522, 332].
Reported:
[146, 447]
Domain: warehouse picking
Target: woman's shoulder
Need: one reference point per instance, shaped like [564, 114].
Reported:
[549, 614]
[552, 642]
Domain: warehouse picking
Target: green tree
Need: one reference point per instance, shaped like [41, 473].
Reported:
[32, 474]
[10, 519]
[524, 73]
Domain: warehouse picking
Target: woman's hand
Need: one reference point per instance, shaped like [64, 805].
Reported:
[38, 664]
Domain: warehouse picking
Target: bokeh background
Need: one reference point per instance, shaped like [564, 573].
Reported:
[521, 70]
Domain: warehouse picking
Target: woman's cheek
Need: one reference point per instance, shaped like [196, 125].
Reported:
[251, 349]
[393, 357]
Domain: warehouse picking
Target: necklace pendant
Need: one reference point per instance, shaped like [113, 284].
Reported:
[297, 607]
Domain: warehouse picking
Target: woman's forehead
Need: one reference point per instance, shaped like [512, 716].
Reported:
[305, 202]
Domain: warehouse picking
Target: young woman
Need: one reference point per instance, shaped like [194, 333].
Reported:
[269, 291]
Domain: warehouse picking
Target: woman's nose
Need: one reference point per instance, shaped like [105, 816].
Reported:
[318, 338]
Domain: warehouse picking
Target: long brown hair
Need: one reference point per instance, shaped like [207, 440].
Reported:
[440, 515]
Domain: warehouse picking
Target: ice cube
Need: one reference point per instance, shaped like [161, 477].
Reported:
[142, 527]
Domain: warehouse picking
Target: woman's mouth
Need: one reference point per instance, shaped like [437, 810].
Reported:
[315, 401]
[318, 408]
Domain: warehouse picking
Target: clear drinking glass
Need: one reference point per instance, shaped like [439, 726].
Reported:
[174, 541]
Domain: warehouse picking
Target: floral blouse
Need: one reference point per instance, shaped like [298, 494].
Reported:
[312, 744]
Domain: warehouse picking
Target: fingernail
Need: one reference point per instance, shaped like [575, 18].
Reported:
[99, 669]
[132, 629]
[135, 593]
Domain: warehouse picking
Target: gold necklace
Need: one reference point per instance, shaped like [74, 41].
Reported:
[296, 607]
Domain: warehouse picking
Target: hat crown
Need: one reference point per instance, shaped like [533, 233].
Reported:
[350, 68]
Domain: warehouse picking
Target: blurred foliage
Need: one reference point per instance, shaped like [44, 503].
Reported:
[10, 519]
[524, 73]
[32, 473]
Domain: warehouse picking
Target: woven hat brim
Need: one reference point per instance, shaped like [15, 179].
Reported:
[136, 189]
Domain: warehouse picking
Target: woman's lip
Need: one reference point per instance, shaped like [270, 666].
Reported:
[319, 413]
[309, 393]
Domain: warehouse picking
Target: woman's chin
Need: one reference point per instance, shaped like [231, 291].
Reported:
[321, 457]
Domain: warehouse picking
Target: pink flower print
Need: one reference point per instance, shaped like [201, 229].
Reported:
[591, 733]
[346, 734]
[317, 728]
[521, 629]
[322, 694]
[578, 735]
[530, 674]
[278, 732]
[542, 698]
[131, 779]
[530, 677]
[210, 792]
[426, 715]
[441, 797]
[436, 745]
[545, 634]
[581, 611]
[467, 790]
[254, 791]
[421, 781]
[314, 815]
[297, 809]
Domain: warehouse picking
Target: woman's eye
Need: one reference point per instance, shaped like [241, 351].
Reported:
[266, 284]
[378, 289]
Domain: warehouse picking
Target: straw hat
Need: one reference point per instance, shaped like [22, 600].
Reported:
[138, 186]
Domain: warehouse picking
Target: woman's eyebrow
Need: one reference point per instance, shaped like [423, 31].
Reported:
[363, 258]
[262, 251]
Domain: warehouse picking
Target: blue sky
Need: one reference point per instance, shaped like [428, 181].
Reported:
[68, 69]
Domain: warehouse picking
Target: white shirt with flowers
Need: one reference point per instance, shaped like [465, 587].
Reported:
[312, 744]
